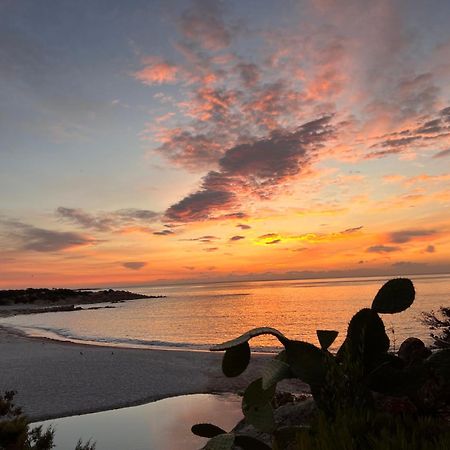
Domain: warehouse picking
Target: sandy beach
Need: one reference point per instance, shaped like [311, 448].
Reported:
[56, 379]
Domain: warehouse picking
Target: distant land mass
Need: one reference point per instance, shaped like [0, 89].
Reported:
[36, 300]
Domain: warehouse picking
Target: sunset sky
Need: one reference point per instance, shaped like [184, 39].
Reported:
[155, 141]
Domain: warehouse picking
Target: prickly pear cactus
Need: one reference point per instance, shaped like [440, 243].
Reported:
[395, 296]
[366, 339]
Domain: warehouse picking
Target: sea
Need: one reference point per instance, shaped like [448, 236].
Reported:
[196, 316]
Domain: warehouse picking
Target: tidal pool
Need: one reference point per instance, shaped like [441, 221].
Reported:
[161, 425]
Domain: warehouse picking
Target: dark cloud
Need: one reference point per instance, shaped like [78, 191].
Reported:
[234, 215]
[211, 249]
[429, 128]
[382, 249]
[399, 142]
[256, 168]
[200, 205]
[269, 238]
[445, 114]
[236, 238]
[352, 230]
[442, 154]
[266, 162]
[163, 232]
[400, 237]
[134, 265]
[29, 237]
[106, 221]
[243, 226]
[202, 239]
[430, 249]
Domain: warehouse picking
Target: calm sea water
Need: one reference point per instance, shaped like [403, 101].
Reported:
[196, 316]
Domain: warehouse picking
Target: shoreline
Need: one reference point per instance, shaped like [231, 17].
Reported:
[58, 379]
[181, 347]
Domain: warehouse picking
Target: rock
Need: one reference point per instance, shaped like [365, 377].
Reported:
[413, 350]
[298, 413]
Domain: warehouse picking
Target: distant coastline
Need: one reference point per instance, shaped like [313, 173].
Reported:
[42, 300]
[318, 277]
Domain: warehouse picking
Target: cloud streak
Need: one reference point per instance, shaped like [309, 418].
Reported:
[400, 237]
[134, 265]
[30, 238]
[382, 249]
[114, 221]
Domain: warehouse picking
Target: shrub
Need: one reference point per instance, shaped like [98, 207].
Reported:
[15, 433]
[439, 324]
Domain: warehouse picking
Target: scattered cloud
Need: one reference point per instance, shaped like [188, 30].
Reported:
[311, 238]
[382, 249]
[156, 71]
[203, 239]
[165, 232]
[134, 265]
[429, 129]
[211, 249]
[430, 249]
[400, 237]
[243, 226]
[236, 238]
[352, 230]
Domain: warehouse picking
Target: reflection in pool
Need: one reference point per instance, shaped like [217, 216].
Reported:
[161, 425]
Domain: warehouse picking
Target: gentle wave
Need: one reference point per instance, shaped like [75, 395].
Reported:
[61, 334]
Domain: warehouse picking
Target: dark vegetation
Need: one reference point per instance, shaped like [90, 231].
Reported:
[439, 323]
[365, 396]
[16, 434]
[66, 296]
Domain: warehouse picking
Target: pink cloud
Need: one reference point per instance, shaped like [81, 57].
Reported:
[156, 71]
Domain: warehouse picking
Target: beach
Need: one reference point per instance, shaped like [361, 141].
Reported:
[57, 379]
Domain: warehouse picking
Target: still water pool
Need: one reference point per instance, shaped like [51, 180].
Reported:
[161, 425]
